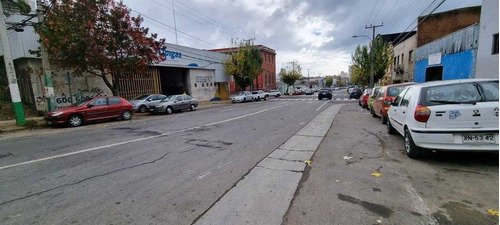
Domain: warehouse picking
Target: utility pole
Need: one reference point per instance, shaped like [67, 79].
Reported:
[47, 72]
[175, 24]
[372, 56]
[11, 72]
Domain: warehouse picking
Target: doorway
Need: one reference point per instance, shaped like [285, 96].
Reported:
[434, 73]
[173, 80]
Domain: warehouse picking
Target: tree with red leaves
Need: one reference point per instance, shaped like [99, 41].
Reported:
[98, 37]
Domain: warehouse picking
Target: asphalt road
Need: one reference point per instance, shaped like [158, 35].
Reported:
[167, 170]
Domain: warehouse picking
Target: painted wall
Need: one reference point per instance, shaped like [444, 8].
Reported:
[404, 48]
[487, 63]
[201, 84]
[455, 66]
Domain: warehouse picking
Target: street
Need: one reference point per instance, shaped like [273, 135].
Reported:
[242, 163]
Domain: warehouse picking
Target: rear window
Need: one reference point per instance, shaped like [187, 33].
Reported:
[394, 91]
[460, 93]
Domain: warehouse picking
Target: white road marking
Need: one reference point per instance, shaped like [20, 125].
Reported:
[134, 140]
[322, 105]
[345, 99]
[338, 99]
[204, 175]
[302, 123]
[310, 102]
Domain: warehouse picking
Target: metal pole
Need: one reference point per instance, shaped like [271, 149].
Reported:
[11, 72]
[47, 73]
[175, 24]
[372, 56]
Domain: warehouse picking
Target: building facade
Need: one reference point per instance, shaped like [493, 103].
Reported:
[403, 63]
[487, 50]
[265, 80]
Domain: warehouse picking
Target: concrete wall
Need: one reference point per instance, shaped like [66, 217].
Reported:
[487, 63]
[405, 47]
[455, 66]
[441, 24]
[201, 84]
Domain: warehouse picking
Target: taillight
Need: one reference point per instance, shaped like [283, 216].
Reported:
[387, 100]
[422, 114]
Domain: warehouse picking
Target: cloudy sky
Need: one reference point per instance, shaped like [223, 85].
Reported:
[316, 33]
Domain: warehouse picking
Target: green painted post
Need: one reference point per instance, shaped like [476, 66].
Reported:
[11, 72]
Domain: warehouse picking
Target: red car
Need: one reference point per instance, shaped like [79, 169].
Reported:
[102, 107]
[363, 100]
[298, 92]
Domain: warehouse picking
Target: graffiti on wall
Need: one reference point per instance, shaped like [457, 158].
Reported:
[65, 99]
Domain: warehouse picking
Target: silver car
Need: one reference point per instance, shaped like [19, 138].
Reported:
[174, 103]
[142, 102]
[242, 96]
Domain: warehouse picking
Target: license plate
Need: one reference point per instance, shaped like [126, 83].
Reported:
[478, 138]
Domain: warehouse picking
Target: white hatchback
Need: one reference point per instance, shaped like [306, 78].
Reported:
[447, 115]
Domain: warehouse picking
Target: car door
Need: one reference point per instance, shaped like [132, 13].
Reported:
[397, 111]
[178, 103]
[187, 101]
[377, 103]
[114, 107]
[248, 96]
[98, 109]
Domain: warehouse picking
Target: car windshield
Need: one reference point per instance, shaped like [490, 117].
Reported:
[394, 91]
[168, 98]
[82, 102]
[462, 93]
[240, 93]
[141, 97]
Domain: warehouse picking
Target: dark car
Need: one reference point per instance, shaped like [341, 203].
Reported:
[325, 93]
[355, 93]
[98, 108]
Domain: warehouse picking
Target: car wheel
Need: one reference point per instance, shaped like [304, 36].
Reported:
[265, 98]
[383, 118]
[258, 99]
[278, 95]
[244, 100]
[142, 108]
[390, 128]
[411, 150]
[169, 110]
[126, 115]
[359, 103]
[192, 107]
[75, 120]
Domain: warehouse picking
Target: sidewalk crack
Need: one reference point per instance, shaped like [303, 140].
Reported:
[289, 160]
[294, 171]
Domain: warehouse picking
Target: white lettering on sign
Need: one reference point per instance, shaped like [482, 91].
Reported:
[14, 92]
[435, 59]
[203, 79]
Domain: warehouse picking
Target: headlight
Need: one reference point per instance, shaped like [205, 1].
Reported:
[57, 114]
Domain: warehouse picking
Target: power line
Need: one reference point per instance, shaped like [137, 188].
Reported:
[382, 6]
[369, 18]
[182, 32]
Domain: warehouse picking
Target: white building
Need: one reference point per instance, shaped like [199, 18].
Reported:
[487, 51]
[404, 59]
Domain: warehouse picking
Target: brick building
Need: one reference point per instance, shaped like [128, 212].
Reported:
[438, 25]
[265, 80]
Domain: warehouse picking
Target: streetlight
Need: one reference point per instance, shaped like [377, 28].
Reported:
[371, 58]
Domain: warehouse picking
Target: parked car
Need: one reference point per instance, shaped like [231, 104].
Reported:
[242, 96]
[355, 93]
[258, 95]
[384, 99]
[274, 93]
[98, 108]
[325, 93]
[372, 96]
[174, 103]
[447, 115]
[363, 100]
[141, 103]
[309, 92]
[298, 92]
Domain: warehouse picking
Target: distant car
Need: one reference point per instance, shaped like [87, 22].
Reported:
[363, 100]
[384, 98]
[298, 92]
[325, 93]
[141, 103]
[309, 92]
[258, 95]
[372, 96]
[174, 103]
[274, 93]
[355, 93]
[98, 108]
[242, 96]
[447, 115]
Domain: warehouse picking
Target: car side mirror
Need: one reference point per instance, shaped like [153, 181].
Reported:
[175, 101]
[148, 99]
[90, 105]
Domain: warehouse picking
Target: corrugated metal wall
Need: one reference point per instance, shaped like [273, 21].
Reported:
[139, 84]
[460, 41]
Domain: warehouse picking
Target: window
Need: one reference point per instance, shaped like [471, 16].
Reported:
[398, 59]
[394, 61]
[99, 102]
[178, 98]
[400, 96]
[402, 58]
[494, 49]
[195, 85]
[187, 98]
[114, 101]
[407, 97]
[451, 94]
[410, 55]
